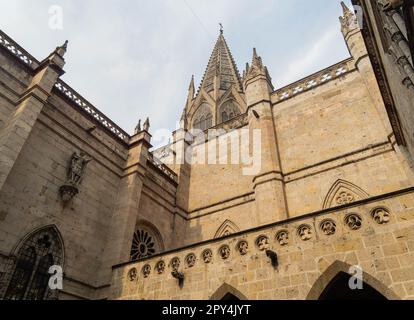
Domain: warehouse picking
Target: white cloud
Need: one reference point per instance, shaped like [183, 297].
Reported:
[315, 55]
[134, 59]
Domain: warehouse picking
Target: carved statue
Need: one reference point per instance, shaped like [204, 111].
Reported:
[77, 166]
[138, 127]
[147, 125]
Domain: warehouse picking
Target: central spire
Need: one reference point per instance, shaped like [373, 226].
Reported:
[221, 70]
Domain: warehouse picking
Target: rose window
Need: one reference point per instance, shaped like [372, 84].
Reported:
[143, 245]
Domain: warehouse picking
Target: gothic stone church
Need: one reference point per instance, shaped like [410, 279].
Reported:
[334, 189]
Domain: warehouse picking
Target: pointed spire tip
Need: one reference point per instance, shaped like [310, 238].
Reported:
[344, 7]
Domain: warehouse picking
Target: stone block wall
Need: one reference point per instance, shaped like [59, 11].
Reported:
[375, 234]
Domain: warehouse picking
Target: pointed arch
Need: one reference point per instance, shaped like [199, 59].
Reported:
[228, 110]
[339, 267]
[146, 241]
[51, 229]
[203, 117]
[34, 255]
[343, 192]
[227, 290]
[233, 94]
[228, 227]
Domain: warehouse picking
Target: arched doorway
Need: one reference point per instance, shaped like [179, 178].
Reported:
[227, 292]
[339, 289]
[333, 284]
[229, 297]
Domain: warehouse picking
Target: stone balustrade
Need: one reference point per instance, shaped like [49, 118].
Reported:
[314, 80]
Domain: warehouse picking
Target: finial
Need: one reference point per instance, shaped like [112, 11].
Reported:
[254, 53]
[62, 49]
[183, 120]
[191, 87]
[344, 7]
[147, 125]
[348, 20]
[65, 45]
[138, 127]
[221, 28]
[256, 59]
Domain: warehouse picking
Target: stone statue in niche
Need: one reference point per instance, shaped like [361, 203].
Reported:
[75, 174]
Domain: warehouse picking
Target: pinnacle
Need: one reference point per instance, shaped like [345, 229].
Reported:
[344, 7]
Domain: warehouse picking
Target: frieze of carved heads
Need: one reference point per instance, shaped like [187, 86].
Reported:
[353, 221]
[146, 270]
[175, 263]
[224, 252]
[160, 267]
[345, 198]
[380, 215]
[283, 237]
[243, 247]
[262, 243]
[328, 227]
[132, 274]
[207, 256]
[190, 260]
[305, 232]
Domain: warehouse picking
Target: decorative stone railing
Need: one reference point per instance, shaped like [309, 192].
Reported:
[98, 116]
[16, 50]
[314, 80]
[163, 168]
[65, 89]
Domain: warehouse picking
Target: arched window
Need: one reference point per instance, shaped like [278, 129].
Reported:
[228, 111]
[146, 242]
[31, 275]
[203, 119]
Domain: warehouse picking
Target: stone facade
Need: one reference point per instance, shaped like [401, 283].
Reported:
[333, 188]
[307, 262]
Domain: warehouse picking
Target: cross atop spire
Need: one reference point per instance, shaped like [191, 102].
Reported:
[221, 28]
[221, 69]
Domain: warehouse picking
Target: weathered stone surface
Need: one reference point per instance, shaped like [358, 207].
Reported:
[332, 191]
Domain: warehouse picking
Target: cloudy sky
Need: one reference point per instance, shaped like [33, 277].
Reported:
[134, 59]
